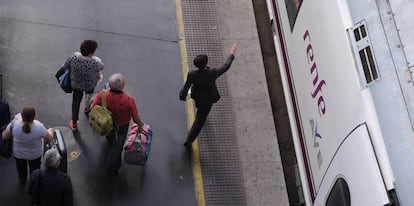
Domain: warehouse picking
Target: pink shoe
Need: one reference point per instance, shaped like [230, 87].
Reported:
[73, 125]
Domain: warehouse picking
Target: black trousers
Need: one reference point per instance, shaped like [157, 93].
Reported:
[21, 166]
[200, 119]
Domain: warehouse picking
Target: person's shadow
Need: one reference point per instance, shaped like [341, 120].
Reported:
[90, 179]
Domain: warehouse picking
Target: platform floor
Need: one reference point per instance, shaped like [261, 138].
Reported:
[152, 43]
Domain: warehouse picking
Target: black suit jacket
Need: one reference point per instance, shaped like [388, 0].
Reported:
[50, 187]
[203, 83]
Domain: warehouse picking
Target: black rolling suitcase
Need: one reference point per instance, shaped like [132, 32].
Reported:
[59, 143]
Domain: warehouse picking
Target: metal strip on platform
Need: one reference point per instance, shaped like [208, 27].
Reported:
[218, 146]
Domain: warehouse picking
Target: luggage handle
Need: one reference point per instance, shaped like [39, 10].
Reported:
[1, 86]
[59, 138]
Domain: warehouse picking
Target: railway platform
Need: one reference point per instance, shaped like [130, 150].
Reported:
[236, 160]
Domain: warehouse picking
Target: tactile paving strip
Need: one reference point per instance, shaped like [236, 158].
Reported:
[219, 154]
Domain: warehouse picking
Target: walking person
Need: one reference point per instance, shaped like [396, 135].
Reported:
[27, 135]
[86, 71]
[50, 186]
[123, 107]
[203, 90]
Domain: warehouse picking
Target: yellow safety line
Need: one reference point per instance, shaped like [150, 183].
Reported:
[190, 108]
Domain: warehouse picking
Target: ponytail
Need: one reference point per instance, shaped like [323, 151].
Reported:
[26, 127]
[28, 115]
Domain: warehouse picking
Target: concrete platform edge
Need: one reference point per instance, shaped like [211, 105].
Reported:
[259, 151]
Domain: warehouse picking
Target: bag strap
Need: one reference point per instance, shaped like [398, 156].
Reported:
[1, 86]
[11, 129]
[104, 97]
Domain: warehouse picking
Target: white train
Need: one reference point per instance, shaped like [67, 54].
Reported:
[346, 68]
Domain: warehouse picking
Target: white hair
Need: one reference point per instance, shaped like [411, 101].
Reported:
[52, 157]
[116, 82]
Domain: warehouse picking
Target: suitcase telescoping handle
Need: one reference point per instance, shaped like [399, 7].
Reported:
[1, 86]
[61, 146]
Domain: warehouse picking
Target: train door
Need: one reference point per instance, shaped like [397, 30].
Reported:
[353, 176]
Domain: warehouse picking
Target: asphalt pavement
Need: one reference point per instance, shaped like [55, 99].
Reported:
[137, 39]
[145, 42]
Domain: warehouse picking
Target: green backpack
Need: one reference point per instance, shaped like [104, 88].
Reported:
[100, 118]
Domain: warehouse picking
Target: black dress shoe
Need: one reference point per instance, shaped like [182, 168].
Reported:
[113, 173]
[188, 144]
[22, 182]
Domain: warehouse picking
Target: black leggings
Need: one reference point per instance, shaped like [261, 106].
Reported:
[77, 98]
[21, 166]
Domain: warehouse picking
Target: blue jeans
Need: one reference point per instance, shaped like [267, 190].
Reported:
[116, 145]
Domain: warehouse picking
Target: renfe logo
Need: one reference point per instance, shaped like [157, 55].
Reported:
[317, 85]
[316, 137]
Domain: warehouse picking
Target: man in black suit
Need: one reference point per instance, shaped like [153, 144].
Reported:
[203, 90]
[50, 186]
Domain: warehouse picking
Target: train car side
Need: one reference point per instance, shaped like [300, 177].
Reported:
[334, 66]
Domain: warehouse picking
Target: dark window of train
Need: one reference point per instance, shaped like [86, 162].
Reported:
[363, 47]
[293, 7]
[363, 31]
[368, 64]
[363, 57]
[371, 63]
[339, 195]
[357, 35]
[360, 33]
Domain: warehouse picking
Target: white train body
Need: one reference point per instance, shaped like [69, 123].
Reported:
[346, 68]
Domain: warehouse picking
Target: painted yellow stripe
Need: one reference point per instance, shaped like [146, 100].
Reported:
[190, 108]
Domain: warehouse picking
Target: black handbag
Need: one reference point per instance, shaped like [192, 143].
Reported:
[6, 145]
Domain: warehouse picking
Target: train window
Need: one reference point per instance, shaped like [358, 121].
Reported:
[292, 7]
[339, 195]
[363, 53]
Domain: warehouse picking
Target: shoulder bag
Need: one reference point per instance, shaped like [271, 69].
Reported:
[63, 77]
[6, 145]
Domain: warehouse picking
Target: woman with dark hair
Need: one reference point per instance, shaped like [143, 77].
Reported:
[86, 72]
[27, 133]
